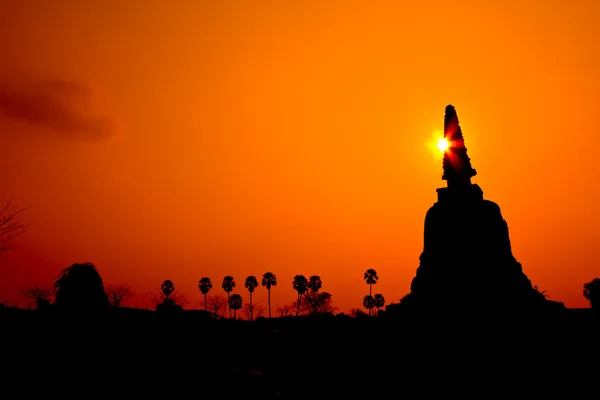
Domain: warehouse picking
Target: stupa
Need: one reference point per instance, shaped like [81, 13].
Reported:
[467, 260]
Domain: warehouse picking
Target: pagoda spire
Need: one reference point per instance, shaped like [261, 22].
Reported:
[456, 163]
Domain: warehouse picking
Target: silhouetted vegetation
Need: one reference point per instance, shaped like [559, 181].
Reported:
[268, 281]
[591, 291]
[250, 284]
[204, 285]
[39, 294]
[228, 285]
[235, 303]
[12, 225]
[80, 288]
[119, 294]
[300, 285]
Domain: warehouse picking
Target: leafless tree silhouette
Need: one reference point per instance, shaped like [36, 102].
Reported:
[12, 225]
[216, 303]
[175, 297]
[252, 311]
[284, 310]
[39, 294]
[315, 303]
[118, 294]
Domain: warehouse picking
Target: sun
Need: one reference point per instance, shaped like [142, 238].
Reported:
[443, 144]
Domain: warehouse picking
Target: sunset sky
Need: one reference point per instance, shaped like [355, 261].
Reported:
[179, 139]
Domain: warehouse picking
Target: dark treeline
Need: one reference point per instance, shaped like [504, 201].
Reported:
[87, 336]
[311, 299]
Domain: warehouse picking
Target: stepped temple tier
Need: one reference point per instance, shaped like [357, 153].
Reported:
[467, 261]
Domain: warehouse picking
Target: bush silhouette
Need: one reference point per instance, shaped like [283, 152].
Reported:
[80, 288]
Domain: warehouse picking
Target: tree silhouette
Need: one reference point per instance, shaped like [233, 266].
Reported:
[378, 301]
[167, 288]
[80, 288]
[284, 310]
[228, 285]
[316, 303]
[250, 310]
[217, 303]
[300, 285]
[161, 302]
[591, 291]
[204, 285]
[370, 278]
[235, 303]
[11, 225]
[250, 284]
[39, 294]
[118, 294]
[315, 283]
[369, 303]
[269, 280]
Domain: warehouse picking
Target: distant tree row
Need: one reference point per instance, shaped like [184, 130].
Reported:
[80, 285]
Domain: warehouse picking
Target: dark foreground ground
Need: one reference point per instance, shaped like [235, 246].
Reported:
[142, 354]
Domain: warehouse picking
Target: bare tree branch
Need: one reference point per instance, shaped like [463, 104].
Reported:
[159, 297]
[285, 310]
[118, 294]
[216, 303]
[255, 309]
[12, 225]
[39, 294]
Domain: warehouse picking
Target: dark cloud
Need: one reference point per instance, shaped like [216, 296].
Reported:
[60, 106]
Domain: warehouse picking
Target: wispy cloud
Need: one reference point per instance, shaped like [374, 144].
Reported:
[62, 107]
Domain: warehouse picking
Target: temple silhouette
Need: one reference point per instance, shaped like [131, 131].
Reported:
[467, 260]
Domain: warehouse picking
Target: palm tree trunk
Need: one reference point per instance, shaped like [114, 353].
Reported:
[269, 300]
[251, 307]
[298, 305]
[371, 295]
[229, 305]
[205, 303]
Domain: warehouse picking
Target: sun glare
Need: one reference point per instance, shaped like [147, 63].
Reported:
[442, 144]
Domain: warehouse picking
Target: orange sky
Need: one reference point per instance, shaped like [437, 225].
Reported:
[181, 139]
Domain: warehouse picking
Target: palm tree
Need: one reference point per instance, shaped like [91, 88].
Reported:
[235, 303]
[300, 285]
[371, 278]
[250, 284]
[167, 288]
[378, 301]
[269, 280]
[228, 285]
[369, 303]
[205, 285]
[315, 283]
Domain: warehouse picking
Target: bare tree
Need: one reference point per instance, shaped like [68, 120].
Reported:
[315, 303]
[118, 294]
[39, 294]
[11, 225]
[284, 310]
[175, 297]
[216, 303]
[252, 310]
